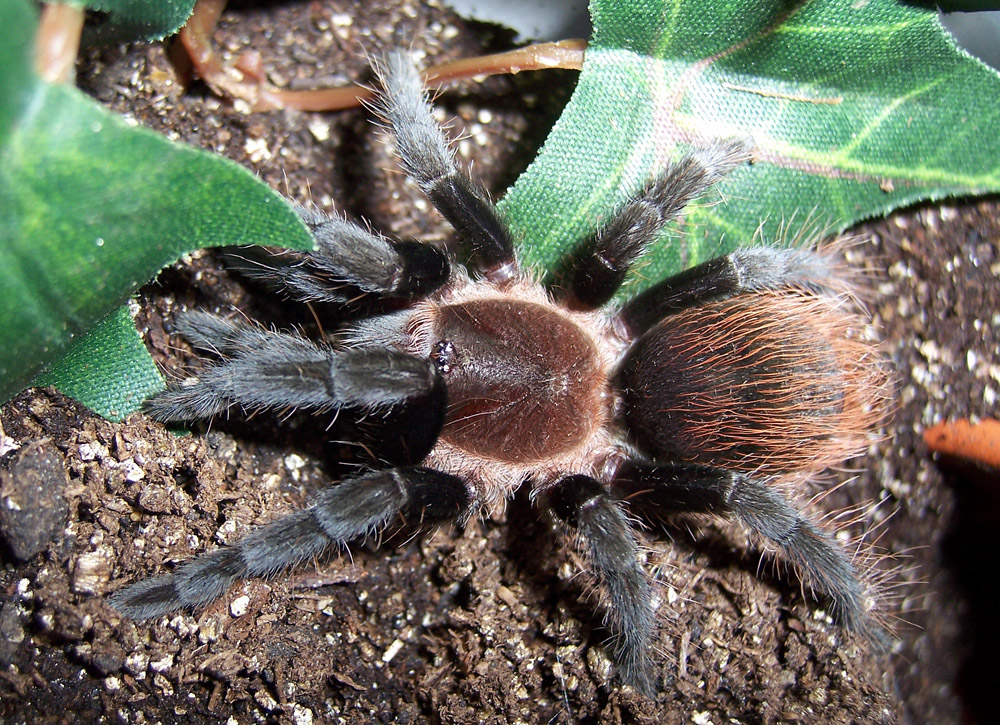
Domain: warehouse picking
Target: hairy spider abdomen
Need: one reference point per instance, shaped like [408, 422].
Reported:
[772, 381]
[525, 382]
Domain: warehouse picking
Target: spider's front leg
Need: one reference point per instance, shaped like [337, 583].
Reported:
[349, 510]
[348, 261]
[288, 370]
[262, 369]
[607, 540]
[427, 159]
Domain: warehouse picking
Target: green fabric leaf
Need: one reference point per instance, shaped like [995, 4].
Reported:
[92, 208]
[856, 109]
[109, 368]
[16, 50]
[130, 20]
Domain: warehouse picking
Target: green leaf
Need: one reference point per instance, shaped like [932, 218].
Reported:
[109, 368]
[92, 208]
[16, 83]
[130, 20]
[855, 108]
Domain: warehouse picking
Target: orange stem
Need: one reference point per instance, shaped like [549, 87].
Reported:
[976, 441]
[58, 42]
[247, 79]
[565, 54]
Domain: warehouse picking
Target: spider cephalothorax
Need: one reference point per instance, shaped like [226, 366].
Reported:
[708, 393]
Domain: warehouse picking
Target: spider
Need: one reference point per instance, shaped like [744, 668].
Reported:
[713, 392]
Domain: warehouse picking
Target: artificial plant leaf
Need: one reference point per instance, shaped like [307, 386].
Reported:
[130, 20]
[92, 208]
[109, 368]
[855, 109]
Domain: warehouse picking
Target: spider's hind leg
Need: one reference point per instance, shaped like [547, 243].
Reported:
[823, 563]
[745, 270]
[347, 511]
[609, 543]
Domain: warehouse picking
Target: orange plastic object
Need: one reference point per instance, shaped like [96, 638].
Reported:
[976, 441]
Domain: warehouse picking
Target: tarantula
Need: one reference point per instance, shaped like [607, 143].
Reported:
[711, 392]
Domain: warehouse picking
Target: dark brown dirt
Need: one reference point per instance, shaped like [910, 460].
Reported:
[490, 624]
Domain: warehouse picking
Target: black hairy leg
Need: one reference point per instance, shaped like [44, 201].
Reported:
[427, 159]
[607, 540]
[264, 369]
[747, 270]
[349, 261]
[601, 266]
[760, 506]
[347, 511]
